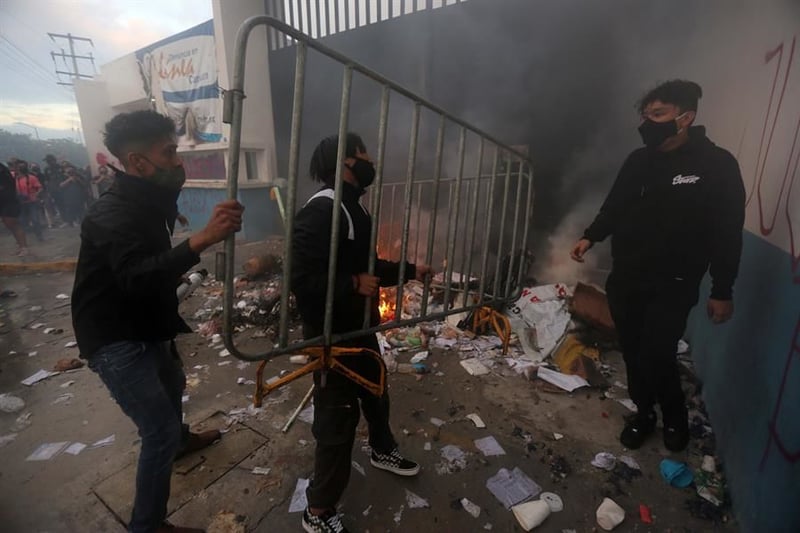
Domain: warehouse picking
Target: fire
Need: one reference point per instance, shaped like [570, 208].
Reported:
[387, 304]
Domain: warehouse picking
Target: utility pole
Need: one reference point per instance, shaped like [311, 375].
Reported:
[75, 73]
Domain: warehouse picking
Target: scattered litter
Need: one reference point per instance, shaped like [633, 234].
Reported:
[108, 441]
[75, 448]
[260, 470]
[709, 464]
[33, 354]
[50, 331]
[47, 451]
[474, 367]
[628, 403]
[476, 420]
[630, 462]
[39, 325]
[683, 347]
[71, 344]
[307, 414]
[470, 507]
[62, 296]
[489, 446]
[67, 384]
[359, 468]
[562, 381]
[511, 488]
[22, 422]
[676, 474]
[36, 308]
[184, 398]
[224, 363]
[11, 404]
[427, 446]
[453, 460]
[553, 500]
[438, 422]
[37, 377]
[609, 514]
[644, 514]
[224, 353]
[399, 514]
[366, 511]
[298, 359]
[63, 365]
[240, 381]
[416, 502]
[418, 358]
[241, 365]
[605, 461]
[299, 501]
[7, 439]
[487, 526]
[63, 398]
[558, 436]
[711, 487]
[531, 514]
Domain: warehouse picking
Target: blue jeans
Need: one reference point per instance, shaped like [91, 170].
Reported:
[147, 381]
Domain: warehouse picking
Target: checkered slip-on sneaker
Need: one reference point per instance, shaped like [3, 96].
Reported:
[330, 522]
[394, 462]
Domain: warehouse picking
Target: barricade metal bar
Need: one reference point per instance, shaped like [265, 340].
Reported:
[528, 221]
[409, 190]
[437, 176]
[488, 227]
[375, 203]
[291, 193]
[474, 218]
[453, 218]
[503, 211]
[336, 216]
[514, 232]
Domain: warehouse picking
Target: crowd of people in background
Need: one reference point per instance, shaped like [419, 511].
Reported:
[33, 199]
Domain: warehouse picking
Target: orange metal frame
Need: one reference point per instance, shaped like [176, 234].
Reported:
[484, 317]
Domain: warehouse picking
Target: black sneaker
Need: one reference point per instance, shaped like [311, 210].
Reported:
[637, 429]
[394, 462]
[676, 438]
[330, 522]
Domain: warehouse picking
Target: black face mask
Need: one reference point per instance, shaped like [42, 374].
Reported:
[655, 133]
[364, 172]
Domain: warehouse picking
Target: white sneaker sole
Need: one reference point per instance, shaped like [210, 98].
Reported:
[394, 470]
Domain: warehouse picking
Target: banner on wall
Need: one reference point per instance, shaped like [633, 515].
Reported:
[180, 78]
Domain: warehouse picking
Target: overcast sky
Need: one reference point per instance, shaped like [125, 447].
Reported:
[28, 91]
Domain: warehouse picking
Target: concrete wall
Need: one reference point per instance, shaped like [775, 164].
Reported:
[562, 76]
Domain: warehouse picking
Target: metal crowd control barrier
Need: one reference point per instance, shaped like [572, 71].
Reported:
[488, 214]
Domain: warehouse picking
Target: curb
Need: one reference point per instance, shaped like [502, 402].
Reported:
[66, 265]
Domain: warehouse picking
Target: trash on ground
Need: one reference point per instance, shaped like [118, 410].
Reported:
[709, 464]
[47, 451]
[474, 367]
[531, 514]
[62, 296]
[605, 461]
[359, 468]
[108, 441]
[63, 365]
[553, 500]
[7, 439]
[644, 514]
[683, 347]
[576, 358]
[562, 381]
[609, 514]
[399, 514]
[366, 511]
[427, 446]
[470, 507]
[67, 396]
[489, 446]
[629, 461]
[33, 354]
[453, 460]
[419, 357]
[711, 487]
[75, 448]
[71, 344]
[49, 331]
[438, 422]
[628, 403]
[676, 474]
[224, 353]
[261, 470]
[11, 404]
[299, 501]
[476, 420]
[558, 436]
[22, 422]
[298, 359]
[415, 501]
[307, 414]
[513, 487]
[37, 377]
[591, 306]
[227, 522]
[39, 325]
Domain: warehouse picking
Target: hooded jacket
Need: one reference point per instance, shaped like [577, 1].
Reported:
[672, 215]
[127, 270]
[310, 249]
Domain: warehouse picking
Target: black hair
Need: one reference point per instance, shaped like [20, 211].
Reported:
[323, 160]
[136, 129]
[681, 93]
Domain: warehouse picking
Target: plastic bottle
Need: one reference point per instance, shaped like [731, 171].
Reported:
[193, 281]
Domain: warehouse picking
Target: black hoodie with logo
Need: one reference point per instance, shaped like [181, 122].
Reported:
[673, 214]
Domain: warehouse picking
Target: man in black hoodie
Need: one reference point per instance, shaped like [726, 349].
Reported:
[124, 302]
[336, 405]
[675, 211]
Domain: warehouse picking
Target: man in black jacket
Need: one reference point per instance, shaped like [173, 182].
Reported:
[336, 405]
[676, 209]
[124, 303]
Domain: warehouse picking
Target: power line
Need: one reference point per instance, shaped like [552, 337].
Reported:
[32, 63]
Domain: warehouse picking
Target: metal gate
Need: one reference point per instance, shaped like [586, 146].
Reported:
[486, 210]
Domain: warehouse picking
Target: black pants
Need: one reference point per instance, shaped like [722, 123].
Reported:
[650, 317]
[336, 414]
